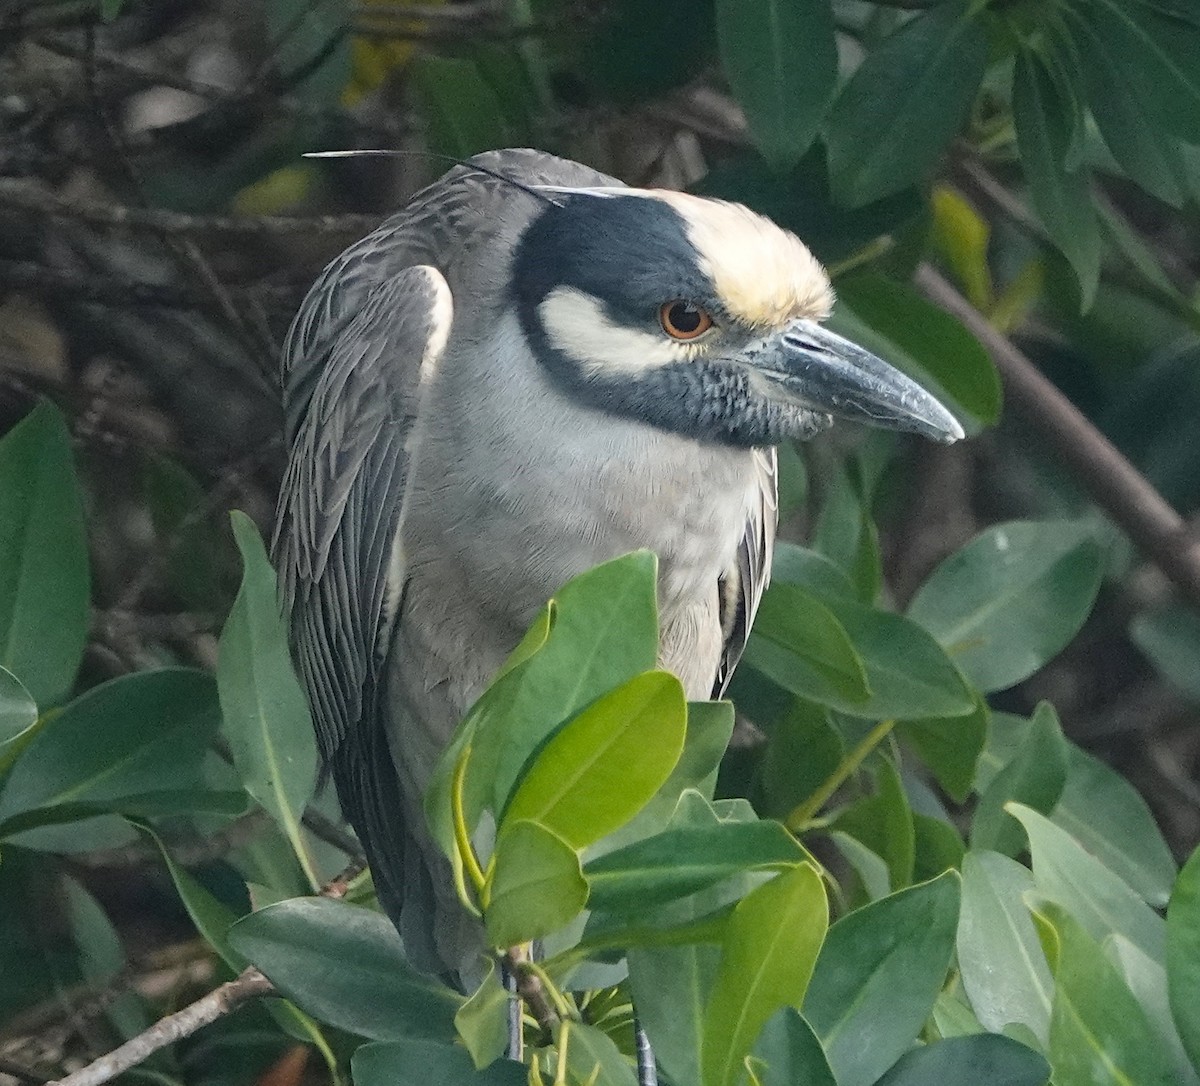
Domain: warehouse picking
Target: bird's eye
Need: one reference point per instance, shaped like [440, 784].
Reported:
[683, 320]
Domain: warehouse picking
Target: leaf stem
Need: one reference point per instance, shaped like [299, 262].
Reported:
[462, 836]
[802, 813]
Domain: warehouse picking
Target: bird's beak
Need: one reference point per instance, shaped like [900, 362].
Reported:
[827, 373]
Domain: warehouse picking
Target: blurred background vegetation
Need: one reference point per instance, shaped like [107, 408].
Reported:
[158, 228]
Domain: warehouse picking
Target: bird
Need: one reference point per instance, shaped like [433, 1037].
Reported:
[528, 370]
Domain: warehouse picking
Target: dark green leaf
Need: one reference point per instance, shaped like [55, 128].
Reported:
[781, 61]
[461, 112]
[134, 735]
[868, 865]
[1107, 815]
[845, 534]
[812, 570]
[884, 823]
[1170, 638]
[999, 957]
[536, 887]
[1035, 777]
[196, 553]
[905, 103]
[593, 1059]
[685, 859]
[1099, 1034]
[878, 975]
[1061, 198]
[310, 42]
[1183, 956]
[1067, 874]
[1012, 598]
[804, 751]
[266, 718]
[44, 581]
[985, 1058]
[607, 763]
[788, 1052]
[950, 747]
[923, 341]
[18, 716]
[482, 1021]
[821, 661]
[938, 847]
[421, 1063]
[345, 965]
[767, 958]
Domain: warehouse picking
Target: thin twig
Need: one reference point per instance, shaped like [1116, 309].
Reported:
[1098, 465]
[206, 1010]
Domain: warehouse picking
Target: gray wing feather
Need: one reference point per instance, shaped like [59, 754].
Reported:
[337, 522]
[753, 572]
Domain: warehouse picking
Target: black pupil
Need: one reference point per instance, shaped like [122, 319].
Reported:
[684, 317]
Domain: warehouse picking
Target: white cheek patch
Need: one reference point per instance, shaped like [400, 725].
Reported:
[576, 324]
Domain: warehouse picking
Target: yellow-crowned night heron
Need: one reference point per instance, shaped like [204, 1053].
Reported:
[503, 385]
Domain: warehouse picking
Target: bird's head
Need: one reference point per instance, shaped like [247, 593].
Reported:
[699, 317]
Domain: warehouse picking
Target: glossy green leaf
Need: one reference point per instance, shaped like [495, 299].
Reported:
[845, 532]
[593, 1058]
[685, 859]
[804, 751]
[266, 717]
[937, 847]
[44, 581]
[1000, 959]
[1069, 875]
[923, 341]
[793, 564]
[345, 966]
[821, 663]
[1060, 197]
[1170, 638]
[878, 975]
[18, 717]
[482, 1021]
[1183, 956]
[537, 886]
[415, 1062]
[138, 734]
[770, 947]
[606, 764]
[788, 1052]
[1012, 598]
[1099, 1034]
[1035, 777]
[460, 109]
[901, 108]
[1157, 46]
[950, 747]
[1107, 815]
[781, 61]
[985, 1058]
[884, 823]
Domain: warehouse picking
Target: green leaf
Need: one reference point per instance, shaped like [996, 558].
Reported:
[1012, 598]
[1067, 874]
[810, 569]
[460, 109]
[1035, 777]
[781, 61]
[1107, 815]
[1099, 1034]
[884, 823]
[895, 322]
[878, 975]
[44, 581]
[938, 847]
[267, 723]
[685, 859]
[416, 1062]
[482, 1021]
[869, 866]
[1170, 639]
[604, 766]
[345, 966]
[985, 1057]
[821, 663]
[137, 734]
[905, 103]
[1061, 198]
[593, 1058]
[804, 750]
[536, 887]
[18, 717]
[1004, 972]
[771, 945]
[1183, 956]
[950, 747]
[788, 1052]
[1157, 48]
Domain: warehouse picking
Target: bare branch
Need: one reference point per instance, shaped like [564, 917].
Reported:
[1099, 466]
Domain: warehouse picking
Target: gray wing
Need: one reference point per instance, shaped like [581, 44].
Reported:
[337, 521]
[745, 586]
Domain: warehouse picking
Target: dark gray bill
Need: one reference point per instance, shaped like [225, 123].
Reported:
[831, 374]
